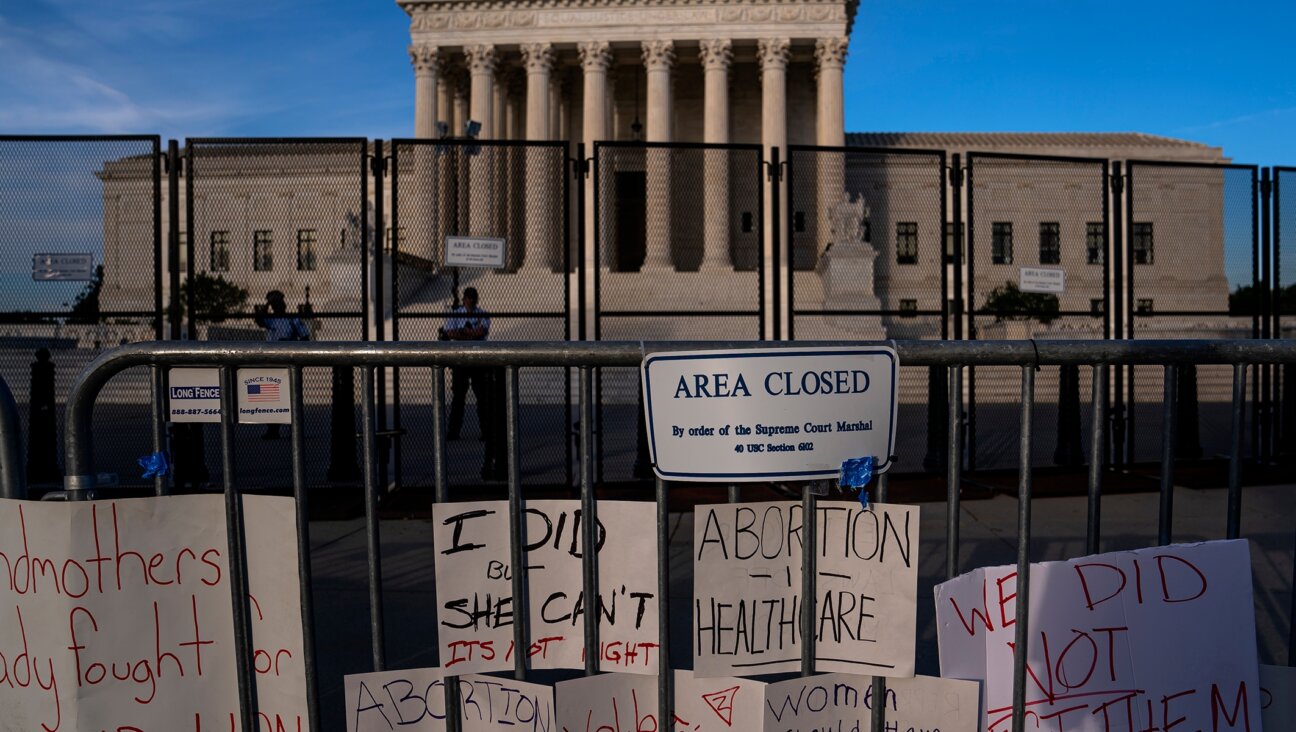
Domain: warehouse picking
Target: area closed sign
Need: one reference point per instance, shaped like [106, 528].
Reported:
[770, 414]
[474, 251]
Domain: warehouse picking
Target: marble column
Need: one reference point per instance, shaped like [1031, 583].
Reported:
[426, 59]
[659, 59]
[596, 58]
[511, 163]
[773, 55]
[483, 193]
[830, 58]
[540, 188]
[716, 55]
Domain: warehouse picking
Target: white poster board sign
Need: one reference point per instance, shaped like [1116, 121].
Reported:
[845, 702]
[62, 267]
[629, 702]
[475, 595]
[117, 614]
[1153, 635]
[194, 394]
[263, 396]
[769, 414]
[414, 700]
[1278, 697]
[1042, 279]
[474, 251]
[747, 588]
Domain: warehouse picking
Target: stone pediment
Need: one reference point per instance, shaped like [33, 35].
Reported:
[461, 22]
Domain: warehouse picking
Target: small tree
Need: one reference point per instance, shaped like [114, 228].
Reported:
[1008, 302]
[215, 298]
[85, 308]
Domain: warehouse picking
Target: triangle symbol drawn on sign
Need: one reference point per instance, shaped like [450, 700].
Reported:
[722, 702]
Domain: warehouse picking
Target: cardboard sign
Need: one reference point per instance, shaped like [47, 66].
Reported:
[117, 615]
[62, 267]
[194, 395]
[1278, 697]
[747, 588]
[475, 596]
[721, 704]
[263, 396]
[629, 702]
[1042, 279]
[769, 414]
[1164, 637]
[414, 700]
[474, 251]
[845, 702]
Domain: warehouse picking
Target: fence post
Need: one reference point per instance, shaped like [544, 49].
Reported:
[1069, 450]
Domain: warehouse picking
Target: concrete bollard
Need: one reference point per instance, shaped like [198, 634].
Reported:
[937, 421]
[343, 465]
[42, 423]
[1069, 450]
[1187, 426]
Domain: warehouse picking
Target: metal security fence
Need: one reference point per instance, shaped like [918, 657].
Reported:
[1098, 358]
[517, 192]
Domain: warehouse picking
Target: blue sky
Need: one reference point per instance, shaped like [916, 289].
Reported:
[1206, 71]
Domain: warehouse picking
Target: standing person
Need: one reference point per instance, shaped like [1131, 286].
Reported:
[279, 326]
[472, 323]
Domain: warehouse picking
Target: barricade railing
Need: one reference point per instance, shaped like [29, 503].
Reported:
[585, 357]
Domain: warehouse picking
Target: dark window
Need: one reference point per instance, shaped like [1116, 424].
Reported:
[949, 241]
[908, 308]
[1096, 307]
[868, 230]
[263, 251]
[907, 242]
[306, 259]
[220, 259]
[1141, 243]
[1050, 243]
[1001, 242]
[1094, 243]
[400, 238]
[1143, 306]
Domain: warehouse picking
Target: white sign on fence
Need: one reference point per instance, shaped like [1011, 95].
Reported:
[194, 394]
[1164, 637]
[474, 251]
[772, 414]
[747, 588]
[1042, 279]
[117, 614]
[414, 700]
[263, 396]
[845, 702]
[475, 594]
[628, 702]
[62, 267]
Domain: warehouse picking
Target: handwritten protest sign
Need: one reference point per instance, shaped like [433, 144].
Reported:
[747, 588]
[117, 615]
[718, 704]
[414, 700]
[475, 596]
[1149, 639]
[628, 702]
[845, 702]
[1278, 697]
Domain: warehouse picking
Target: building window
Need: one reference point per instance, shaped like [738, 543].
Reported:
[1001, 242]
[306, 250]
[1094, 248]
[262, 251]
[400, 238]
[1141, 243]
[949, 242]
[1050, 243]
[182, 258]
[220, 258]
[908, 308]
[1143, 306]
[907, 242]
[1097, 307]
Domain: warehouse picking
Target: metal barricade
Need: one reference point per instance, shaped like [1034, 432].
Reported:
[954, 357]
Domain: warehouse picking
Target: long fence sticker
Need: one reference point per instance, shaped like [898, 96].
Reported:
[475, 611]
[414, 701]
[747, 588]
[117, 615]
[845, 702]
[1159, 638]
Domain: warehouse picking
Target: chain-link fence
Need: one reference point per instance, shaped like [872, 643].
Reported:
[80, 268]
[277, 215]
[515, 195]
[1037, 267]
